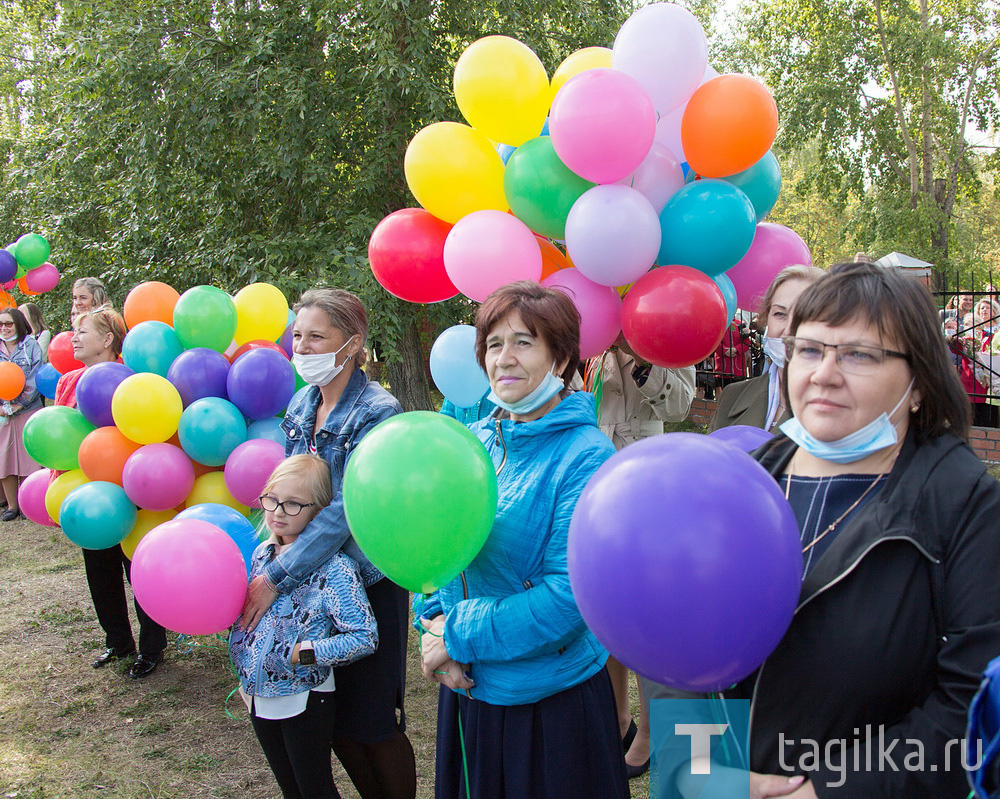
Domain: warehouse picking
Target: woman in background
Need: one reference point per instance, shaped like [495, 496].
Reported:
[88, 293]
[39, 331]
[18, 347]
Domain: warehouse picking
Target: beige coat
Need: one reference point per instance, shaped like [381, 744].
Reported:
[629, 412]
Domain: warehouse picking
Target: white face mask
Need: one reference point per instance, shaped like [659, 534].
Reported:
[774, 348]
[11, 337]
[320, 368]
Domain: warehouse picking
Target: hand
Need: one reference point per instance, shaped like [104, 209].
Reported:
[433, 652]
[260, 597]
[295, 654]
[451, 675]
[727, 782]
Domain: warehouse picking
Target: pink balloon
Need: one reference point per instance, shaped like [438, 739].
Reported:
[774, 247]
[602, 124]
[658, 178]
[158, 476]
[249, 466]
[668, 129]
[42, 278]
[489, 249]
[9, 285]
[31, 497]
[190, 577]
[600, 309]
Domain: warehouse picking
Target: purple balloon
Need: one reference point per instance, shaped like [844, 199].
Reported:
[95, 389]
[742, 436]
[8, 266]
[198, 373]
[158, 476]
[261, 383]
[707, 549]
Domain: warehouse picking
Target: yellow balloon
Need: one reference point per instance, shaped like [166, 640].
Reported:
[211, 487]
[502, 89]
[453, 170]
[146, 408]
[261, 313]
[580, 61]
[145, 520]
[60, 489]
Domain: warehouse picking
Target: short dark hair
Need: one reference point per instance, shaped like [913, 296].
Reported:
[21, 326]
[902, 310]
[548, 314]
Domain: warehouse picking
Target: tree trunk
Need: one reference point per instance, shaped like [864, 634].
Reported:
[408, 378]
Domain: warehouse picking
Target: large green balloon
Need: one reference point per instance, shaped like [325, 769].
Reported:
[52, 436]
[31, 250]
[540, 188]
[205, 317]
[420, 495]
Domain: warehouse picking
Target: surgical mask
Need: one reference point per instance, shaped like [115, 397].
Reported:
[877, 434]
[320, 368]
[774, 348]
[11, 337]
[544, 391]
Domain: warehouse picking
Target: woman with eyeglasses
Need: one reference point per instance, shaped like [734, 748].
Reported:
[329, 418]
[19, 347]
[899, 611]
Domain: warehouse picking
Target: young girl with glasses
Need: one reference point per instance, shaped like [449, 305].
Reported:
[285, 663]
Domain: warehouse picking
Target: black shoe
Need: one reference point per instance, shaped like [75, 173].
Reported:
[111, 653]
[636, 771]
[10, 514]
[144, 664]
[629, 735]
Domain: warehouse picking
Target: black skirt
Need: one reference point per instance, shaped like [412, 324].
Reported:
[566, 746]
[370, 691]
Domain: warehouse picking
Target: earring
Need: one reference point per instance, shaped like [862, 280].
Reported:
[915, 407]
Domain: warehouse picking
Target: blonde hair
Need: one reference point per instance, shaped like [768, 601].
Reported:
[96, 289]
[106, 320]
[810, 274]
[345, 312]
[311, 472]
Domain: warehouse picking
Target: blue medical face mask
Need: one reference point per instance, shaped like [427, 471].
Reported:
[544, 391]
[774, 348]
[877, 434]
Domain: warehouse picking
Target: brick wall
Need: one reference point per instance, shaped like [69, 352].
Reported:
[985, 441]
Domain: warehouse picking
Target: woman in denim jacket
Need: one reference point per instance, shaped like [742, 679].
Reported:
[17, 346]
[329, 418]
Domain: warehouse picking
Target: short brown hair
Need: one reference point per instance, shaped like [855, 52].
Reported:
[902, 310]
[548, 314]
[106, 320]
[345, 312]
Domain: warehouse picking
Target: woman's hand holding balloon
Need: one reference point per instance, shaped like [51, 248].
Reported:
[435, 662]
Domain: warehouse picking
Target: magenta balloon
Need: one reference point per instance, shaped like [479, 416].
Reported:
[710, 551]
[658, 178]
[489, 249]
[158, 476]
[248, 467]
[600, 309]
[774, 247]
[31, 497]
[602, 124]
[613, 235]
[42, 278]
[190, 577]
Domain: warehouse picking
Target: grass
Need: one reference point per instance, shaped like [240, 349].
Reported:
[69, 731]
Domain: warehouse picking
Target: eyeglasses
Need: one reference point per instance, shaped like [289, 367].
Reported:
[855, 359]
[289, 507]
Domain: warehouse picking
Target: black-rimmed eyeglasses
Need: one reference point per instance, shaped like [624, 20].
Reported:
[855, 359]
[289, 507]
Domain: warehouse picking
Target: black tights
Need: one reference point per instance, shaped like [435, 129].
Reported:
[384, 770]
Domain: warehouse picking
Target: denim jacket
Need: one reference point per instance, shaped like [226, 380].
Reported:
[362, 406]
[28, 356]
[330, 609]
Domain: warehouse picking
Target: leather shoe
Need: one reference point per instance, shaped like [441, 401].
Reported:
[636, 771]
[144, 664]
[109, 654]
[10, 515]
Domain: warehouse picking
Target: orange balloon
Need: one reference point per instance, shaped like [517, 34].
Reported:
[6, 301]
[552, 258]
[11, 380]
[22, 283]
[729, 125]
[103, 454]
[150, 301]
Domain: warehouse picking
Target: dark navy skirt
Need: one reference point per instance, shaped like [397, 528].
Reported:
[566, 746]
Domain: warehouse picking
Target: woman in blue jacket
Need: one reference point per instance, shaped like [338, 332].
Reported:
[523, 679]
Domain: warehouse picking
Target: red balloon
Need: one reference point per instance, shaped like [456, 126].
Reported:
[61, 353]
[674, 316]
[406, 253]
[257, 344]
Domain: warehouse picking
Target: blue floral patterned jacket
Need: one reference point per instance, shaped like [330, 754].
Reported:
[330, 608]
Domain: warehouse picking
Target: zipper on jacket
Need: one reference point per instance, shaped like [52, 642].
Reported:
[840, 577]
[503, 460]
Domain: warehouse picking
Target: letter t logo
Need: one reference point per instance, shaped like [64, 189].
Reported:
[701, 743]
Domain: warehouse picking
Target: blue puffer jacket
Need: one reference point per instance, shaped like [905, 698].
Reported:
[330, 609]
[520, 628]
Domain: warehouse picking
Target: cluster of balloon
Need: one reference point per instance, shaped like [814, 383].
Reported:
[723, 577]
[639, 165]
[167, 451]
[25, 264]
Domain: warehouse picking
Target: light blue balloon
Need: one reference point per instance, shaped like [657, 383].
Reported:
[728, 290]
[211, 428]
[505, 151]
[151, 347]
[231, 522]
[267, 428]
[761, 183]
[708, 225]
[454, 369]
[97, 515]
